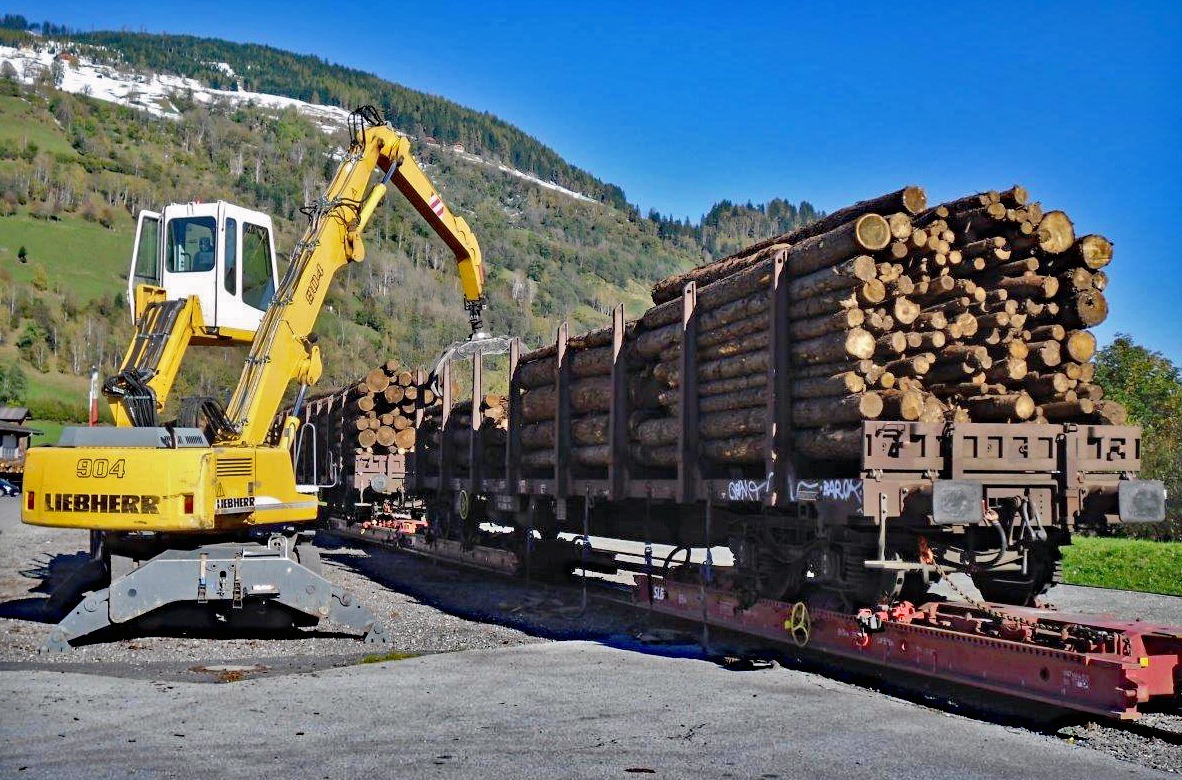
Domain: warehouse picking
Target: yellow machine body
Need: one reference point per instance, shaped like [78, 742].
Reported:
[181, 490]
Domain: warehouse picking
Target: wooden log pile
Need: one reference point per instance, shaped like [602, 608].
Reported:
[492, 423]
[973, 310]
[382, 409]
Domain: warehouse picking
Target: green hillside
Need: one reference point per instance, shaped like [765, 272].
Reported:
[74, 171]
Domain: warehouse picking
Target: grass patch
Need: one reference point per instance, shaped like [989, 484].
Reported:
[24, 123]
[1128, 564]
[81, 257]
[51, 431]
[393, 655]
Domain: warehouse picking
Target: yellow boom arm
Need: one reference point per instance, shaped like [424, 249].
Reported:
[282, 351]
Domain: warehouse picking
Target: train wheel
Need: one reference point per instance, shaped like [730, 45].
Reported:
[1022, 590]
[781, 583]
[877, 587]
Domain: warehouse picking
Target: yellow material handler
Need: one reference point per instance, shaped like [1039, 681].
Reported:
[202, 518]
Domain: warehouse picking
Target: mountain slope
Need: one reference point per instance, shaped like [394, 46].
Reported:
[226, 65]
[73, 170]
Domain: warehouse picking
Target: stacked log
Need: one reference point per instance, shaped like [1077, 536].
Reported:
[492, 423]
[383, 408]
[975, 310]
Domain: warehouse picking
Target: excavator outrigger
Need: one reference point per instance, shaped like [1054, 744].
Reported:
[205, 514]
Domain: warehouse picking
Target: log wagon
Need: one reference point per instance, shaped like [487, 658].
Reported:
[860, 407]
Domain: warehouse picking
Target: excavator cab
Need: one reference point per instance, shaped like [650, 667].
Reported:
[221, 253]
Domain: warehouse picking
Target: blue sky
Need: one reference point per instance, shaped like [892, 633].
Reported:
[684, 104]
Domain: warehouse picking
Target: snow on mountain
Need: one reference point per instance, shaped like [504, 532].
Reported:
[154, 93]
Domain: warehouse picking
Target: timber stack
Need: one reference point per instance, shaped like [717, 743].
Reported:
[382, 409]
[975, 310]
[491, 434]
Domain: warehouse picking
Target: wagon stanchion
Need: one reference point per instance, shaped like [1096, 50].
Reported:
[707, 575]
[648, 548]
[530, 518]
[585, 547]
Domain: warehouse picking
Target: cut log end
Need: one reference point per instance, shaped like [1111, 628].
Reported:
[1056, 233]
[1095, 251]
[873, 232]
[915, 199]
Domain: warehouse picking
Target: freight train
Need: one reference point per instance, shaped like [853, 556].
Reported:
[712, 421]
[994, 500]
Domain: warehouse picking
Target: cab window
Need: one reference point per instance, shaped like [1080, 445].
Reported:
[147, 254]
[189, 244]
[231, 254]
[257, 286]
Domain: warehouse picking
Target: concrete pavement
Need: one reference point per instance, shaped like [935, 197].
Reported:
[564, 709]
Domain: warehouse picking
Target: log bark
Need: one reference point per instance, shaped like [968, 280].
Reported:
[586, 396]
[841, 276]
[731, 288]
[831, 410]
[910, 367]
[902, 404]
[1047, 386]
[595, 338]
[741, 450]
[739, 422]
[867, 233]
[670, 289]
[839, 384]
[1067, 410]
[740, 399]
[723, 368]
[855, 343]
[1007, 370]
[709, 336]
[1045, 354]
[1033, 286]
[838, 444]
[893, 343]
[910, 200]
[1000, 408]
[668, 397]
[1112, 413]
[595, 456]
[717, 325]
[596, 361]
[814, 327]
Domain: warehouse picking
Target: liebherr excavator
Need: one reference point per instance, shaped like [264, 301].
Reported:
[208, 518]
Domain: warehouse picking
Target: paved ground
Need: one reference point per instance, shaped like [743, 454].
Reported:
[482, 699]
[569, 709]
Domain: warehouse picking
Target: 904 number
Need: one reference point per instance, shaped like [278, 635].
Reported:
[100, 468]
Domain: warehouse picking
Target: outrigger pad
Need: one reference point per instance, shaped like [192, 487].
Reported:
[236, 573]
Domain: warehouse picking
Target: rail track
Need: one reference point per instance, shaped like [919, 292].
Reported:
[967, 664]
